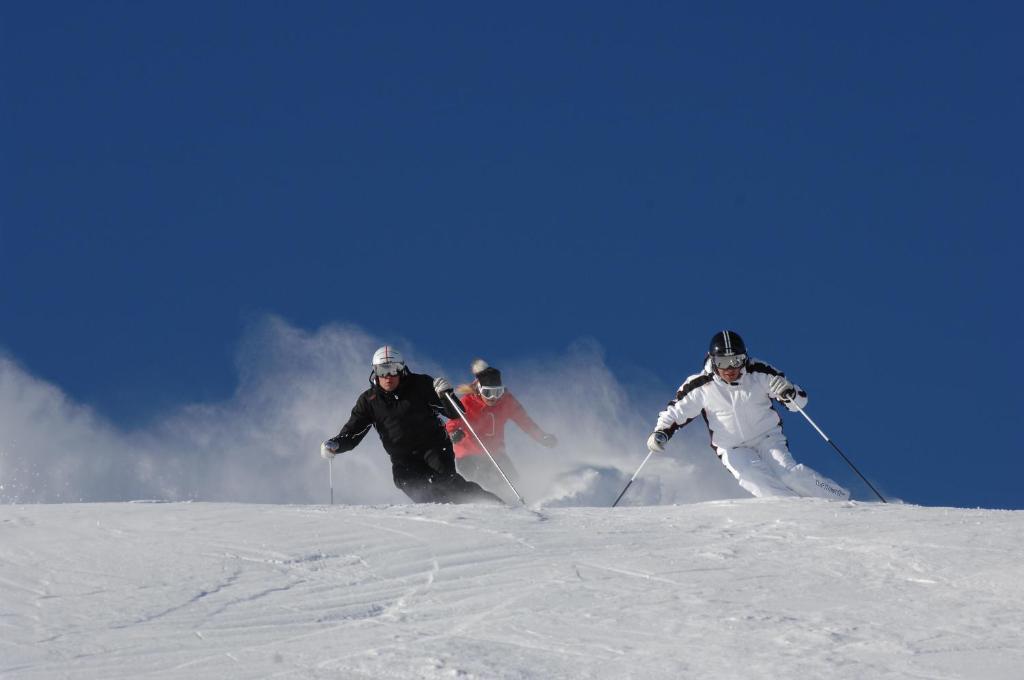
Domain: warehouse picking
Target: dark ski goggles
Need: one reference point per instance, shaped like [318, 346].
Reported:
[492, 392]
[391, 368]
[730, 361]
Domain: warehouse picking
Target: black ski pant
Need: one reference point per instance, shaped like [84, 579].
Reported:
[429, 476]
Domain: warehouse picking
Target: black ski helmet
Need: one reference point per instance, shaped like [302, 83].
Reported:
[726, 343]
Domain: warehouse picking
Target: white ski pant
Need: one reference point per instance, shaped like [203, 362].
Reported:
[766, 468]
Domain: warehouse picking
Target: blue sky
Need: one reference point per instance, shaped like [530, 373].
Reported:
[841, 185]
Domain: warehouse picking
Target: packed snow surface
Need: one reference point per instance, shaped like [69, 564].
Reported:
[793, 588]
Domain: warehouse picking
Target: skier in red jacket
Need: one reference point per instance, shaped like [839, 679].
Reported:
[488, 407]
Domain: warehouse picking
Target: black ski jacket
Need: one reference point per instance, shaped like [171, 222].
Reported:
[406, 419]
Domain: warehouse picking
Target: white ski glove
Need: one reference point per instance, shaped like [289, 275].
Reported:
[781, 388]
[329, 449]
[656, 442]
[549, 441]
[441, 385]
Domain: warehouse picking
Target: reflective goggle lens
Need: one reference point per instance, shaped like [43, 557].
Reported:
[382, 370]
[731, 361]
[492, 392]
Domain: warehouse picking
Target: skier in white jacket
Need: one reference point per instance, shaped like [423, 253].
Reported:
[734, 394]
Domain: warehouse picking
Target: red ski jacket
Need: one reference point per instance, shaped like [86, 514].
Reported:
[489, 424]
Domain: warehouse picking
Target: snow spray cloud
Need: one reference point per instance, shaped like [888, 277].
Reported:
[53, 450]
[296, 389]
[262, 445]
[602, 426]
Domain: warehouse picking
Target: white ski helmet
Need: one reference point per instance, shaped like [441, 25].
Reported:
[388, 361]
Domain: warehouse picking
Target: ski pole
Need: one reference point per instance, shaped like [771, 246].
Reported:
[632, 478]
[330, 475]
[478, 441]
[848, 461]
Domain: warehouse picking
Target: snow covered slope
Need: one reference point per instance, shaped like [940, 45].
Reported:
[725, 589]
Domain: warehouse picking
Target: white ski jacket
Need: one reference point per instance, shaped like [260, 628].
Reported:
[736, 413]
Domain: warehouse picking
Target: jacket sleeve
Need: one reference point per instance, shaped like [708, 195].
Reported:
[764, 372]
[517, 413]
[355, 429]
[687, 405]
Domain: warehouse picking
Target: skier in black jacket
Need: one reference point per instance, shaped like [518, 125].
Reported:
[404, 407]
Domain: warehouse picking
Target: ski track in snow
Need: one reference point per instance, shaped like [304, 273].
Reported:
[724, 589]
